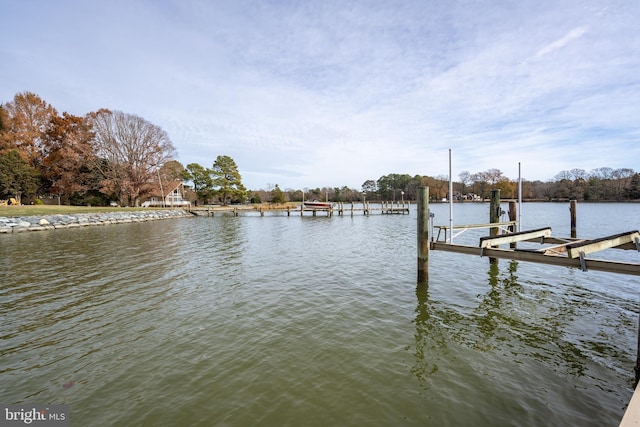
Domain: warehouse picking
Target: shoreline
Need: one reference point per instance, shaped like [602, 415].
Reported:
[61, 221]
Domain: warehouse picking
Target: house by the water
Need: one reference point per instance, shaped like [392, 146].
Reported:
[175, 197]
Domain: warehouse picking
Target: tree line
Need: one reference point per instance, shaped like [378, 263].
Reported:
[111, 156]
[96, 159]
[602, 184]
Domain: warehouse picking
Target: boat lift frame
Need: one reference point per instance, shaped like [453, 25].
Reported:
[565, 252]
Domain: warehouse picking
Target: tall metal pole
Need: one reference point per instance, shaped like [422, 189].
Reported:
[160, 182]
[450, 201]
[519, 199]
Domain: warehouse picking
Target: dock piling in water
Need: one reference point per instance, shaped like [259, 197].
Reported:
[573, 208]
[494, 216]
[423, 234]
[512, 217]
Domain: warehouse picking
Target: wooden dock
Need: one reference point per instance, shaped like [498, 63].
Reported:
[339, 208]
[565, 252]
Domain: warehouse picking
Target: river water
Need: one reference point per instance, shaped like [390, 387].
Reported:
[315, 321]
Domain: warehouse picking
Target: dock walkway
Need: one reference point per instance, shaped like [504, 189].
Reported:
[339, 208]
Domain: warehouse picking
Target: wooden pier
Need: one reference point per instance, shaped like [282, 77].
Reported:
[565, 252]
[560, 251]
[339, 208]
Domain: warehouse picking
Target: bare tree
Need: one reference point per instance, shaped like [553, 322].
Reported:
[622, 178]
[130, 150]
[602, 173]
[465, 180]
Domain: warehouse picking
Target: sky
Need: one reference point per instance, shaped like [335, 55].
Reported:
[324, 93]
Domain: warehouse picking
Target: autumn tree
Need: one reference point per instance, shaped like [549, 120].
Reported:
[30, 118]
[171, 171]
[67, 166]
[227, 180]
[438, 186]
[5, 142]
[129, 150]
[17, 176]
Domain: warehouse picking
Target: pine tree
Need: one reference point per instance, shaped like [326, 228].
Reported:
[227, 179]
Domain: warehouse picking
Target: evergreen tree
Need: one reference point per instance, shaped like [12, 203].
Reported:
[277, 196]
[633, 191]
[17, 176]
[201, 179]
[227, 180]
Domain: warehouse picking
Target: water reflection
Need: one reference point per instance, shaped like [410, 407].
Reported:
[526, 321]
[540, 332]
[432, 334]
[62, 309]
[428, 338]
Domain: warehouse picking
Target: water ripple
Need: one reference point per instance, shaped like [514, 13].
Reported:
[315, 321]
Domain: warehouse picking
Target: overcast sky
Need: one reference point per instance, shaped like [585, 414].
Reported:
[332, 93]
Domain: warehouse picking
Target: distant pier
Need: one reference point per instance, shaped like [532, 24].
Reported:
[339, 208]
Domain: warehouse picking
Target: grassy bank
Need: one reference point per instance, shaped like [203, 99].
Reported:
[40, 210]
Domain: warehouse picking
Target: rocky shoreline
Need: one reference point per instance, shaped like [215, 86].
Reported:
[55, 222]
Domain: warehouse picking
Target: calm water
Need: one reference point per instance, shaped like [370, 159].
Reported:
[289, 321]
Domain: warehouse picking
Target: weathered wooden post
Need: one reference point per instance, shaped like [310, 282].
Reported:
[494, 216]
[423, 234]
[573, 207]
[637, 367]
[512, 217]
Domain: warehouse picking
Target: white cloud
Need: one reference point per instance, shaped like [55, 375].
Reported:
[561, 42]
[308, 94]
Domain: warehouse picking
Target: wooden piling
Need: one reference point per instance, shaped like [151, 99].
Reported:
[637, 367]
[423, 234]
[573, 208]
[494, 216]
[512, 217]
